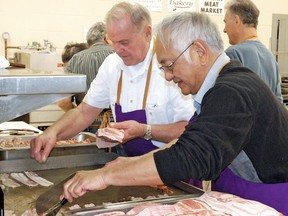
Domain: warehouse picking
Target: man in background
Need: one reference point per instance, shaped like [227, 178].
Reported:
[69, 51]
[89, 61]
[241, 20]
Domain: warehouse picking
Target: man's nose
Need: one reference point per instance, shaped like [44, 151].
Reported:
[118, 48]
[169, 76]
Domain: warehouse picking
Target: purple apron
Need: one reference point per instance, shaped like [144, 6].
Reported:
[273, 195]
[137, 146]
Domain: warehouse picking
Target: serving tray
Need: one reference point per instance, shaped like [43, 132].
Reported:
[78, 140]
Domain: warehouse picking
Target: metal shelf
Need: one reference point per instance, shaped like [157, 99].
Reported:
[23, 90]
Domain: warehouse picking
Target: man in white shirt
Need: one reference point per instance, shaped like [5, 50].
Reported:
[150, 110]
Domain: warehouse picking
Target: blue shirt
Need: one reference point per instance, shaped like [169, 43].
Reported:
[254, 55]
[209, 81]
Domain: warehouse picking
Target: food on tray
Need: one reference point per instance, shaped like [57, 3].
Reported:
[30, 179]
[114, 213]
[7, 181]
[23, 179]
[89, 205]
[41, 181]
[29, 212]
[76, 206]
[136, 210]
[164, 189]
[73, 141]
[112, 134]
[19, 142]
[109, 137]
[14, 142]
[210, 203]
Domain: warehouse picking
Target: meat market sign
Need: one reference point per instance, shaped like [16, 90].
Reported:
[215, 7]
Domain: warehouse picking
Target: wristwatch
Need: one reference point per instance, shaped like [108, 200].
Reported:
[148, 134]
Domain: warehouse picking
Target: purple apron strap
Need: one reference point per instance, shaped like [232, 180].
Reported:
[193, 118]
[274, 195]
[137, 146]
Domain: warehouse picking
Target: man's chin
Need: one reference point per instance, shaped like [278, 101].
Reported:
[128, 61]
[185, 91]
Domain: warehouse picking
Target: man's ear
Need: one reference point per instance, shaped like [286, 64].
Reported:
[148, 32]
[237, 20]
[201, 50]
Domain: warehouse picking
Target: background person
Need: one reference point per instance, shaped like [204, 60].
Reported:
[236, 140]
[241, 20]
[144, 104]
[69, 51]
[89, 60]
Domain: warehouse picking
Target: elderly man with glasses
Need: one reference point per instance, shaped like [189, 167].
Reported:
[169, 68]
[236, 140]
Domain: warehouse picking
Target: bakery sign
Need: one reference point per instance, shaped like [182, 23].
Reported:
[215, 7]
[181, 5]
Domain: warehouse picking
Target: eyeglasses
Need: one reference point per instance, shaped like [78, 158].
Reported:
[169, 68]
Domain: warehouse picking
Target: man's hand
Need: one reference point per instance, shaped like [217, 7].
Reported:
[82, 182]
[41, 146]
[123, 171]
[132, 129]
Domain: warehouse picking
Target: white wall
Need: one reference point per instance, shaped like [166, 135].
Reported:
[61, 21]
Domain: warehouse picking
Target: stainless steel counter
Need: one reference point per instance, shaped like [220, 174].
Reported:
[24, 198]
[24, 90]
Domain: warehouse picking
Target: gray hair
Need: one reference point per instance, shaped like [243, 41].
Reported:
[181, 29]
[246, 10]
[96, 33]
[139, 15]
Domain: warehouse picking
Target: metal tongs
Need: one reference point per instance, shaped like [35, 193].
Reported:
[56, 208]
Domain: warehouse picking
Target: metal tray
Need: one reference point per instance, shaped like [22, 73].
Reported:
[188, 191]
[59, 150]
[127, 206]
